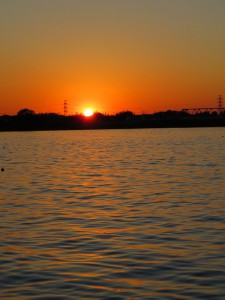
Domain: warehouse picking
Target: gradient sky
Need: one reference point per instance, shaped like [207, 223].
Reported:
[111, 55]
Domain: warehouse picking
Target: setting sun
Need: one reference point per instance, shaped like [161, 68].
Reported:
[88, 112]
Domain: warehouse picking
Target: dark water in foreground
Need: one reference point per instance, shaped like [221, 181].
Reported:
[115, 214]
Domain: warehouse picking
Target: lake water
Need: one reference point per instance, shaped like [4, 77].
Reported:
[113, 214]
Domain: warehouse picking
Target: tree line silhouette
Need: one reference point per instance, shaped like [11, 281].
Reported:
[26, 119]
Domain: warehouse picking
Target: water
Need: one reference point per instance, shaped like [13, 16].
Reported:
[113, 214]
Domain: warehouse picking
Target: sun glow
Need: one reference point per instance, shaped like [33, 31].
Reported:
[88, 112]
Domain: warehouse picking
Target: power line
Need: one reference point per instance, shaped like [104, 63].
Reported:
[65, 108]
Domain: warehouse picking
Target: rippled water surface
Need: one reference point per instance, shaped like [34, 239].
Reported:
[113, 214]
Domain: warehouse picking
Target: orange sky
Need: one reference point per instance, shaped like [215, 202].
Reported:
[139, 55]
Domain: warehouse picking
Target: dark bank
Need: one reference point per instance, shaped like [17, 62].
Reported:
[27, 119]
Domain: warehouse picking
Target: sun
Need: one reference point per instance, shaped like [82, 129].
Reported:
[88, 112]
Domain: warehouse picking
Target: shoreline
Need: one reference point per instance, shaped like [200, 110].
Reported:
[125, 120]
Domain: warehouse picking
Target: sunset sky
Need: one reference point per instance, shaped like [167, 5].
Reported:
[111, 55]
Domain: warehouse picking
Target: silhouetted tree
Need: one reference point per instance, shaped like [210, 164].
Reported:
[124, 115]
[25, 112]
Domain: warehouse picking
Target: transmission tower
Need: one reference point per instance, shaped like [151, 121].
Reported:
[220, 103]
[65, 108]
